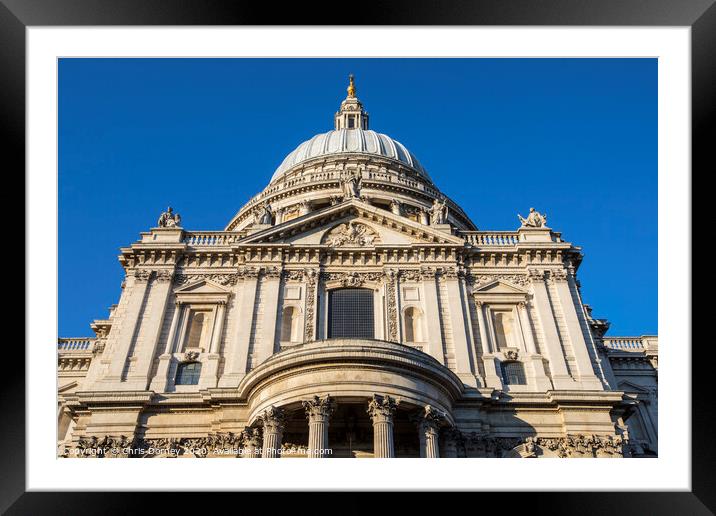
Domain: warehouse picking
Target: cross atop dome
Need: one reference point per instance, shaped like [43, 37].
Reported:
[351, 114]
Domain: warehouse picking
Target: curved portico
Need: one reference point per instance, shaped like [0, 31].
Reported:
[380, 381]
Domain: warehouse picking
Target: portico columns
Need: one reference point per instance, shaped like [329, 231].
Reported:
[318, 412]
[252, 442]
[274, 422]
[428, 423]
[381, 410]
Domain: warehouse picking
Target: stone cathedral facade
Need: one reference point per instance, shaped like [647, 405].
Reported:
[351, 309]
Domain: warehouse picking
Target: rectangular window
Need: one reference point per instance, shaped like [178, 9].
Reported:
[513, 373]
[350, 313]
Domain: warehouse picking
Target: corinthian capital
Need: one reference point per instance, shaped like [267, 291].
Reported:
[273, 419]
[320, 408]
[535, 274]
[142, 274]
[382, 408]
[164, 275]
[429, 418]
[251, 436]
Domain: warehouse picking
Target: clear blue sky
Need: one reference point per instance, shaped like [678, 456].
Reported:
[575, 138]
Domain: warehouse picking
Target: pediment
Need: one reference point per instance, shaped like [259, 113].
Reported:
[352, 223]
[500, 287]
[628, 386]
[203, 286]
[67, 387]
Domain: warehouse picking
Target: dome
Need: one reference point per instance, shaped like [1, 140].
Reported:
[352, 141]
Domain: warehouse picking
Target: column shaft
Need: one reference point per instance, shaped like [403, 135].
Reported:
[135, 291]
[383, 439]
[557, 361]
[432, 312]
[318, 412]
[274, 421]
[381, 410]
[431, 443]
[237, 355]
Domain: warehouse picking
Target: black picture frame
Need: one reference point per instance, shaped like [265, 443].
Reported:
[700, 15]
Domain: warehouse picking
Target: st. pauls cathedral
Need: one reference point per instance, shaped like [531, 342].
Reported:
[352, 309]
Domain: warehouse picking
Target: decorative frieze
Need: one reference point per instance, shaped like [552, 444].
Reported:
[392, 301]
[570, 446]
[352, 278]
[311, 276]
[225, 279]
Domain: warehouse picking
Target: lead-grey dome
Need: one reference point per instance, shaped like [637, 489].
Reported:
[359, 141]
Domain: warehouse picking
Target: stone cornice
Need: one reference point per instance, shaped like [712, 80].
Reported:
[96, 399]
[324, 353]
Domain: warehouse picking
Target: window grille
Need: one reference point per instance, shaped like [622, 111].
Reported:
[188, 374]
[513, 373]
[350, 313]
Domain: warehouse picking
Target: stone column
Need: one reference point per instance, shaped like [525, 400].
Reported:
[540, 376]
[136, 289]
[274, 421]
[381, 410]
[432, 313]
[145, 350]
[557, 362]
[456, 312]
[238, 353]
[585, 369]
[159, 382]
[270, 295]
[428, 423]
[252, 442]
[492, 377]
[318, 412]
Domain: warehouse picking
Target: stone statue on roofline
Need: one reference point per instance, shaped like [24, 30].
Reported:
[169, 219]
[438, 212]
[264, 214]
[351, 185]
[535, 219]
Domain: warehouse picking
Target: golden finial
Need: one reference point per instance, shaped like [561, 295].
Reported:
[351, 87]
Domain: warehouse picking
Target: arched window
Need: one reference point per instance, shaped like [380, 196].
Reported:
[290, 319]
[513, 373]
[350, 313]
[413, 318]
[504, 324]
[196, 328]
[188, 373]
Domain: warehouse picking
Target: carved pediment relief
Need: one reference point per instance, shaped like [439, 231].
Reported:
[203, 291]
[500, 291]
[630, 387]
[351, 234]
[371, 226]
[203, 286]
[500, 287]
